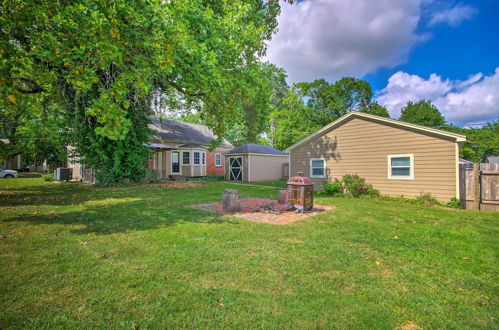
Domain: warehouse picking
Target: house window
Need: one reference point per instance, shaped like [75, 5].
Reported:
[196, 158]
[218, 160]
[317, 168]
[401, 167]
[203, 158]
[186, 158]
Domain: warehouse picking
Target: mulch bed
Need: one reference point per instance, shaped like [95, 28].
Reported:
[264, 210]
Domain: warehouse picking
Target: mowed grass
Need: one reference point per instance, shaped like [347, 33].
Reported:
[74, 256]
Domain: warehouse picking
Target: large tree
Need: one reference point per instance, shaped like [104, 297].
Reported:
[480, 142]
[102, 62]
[309, 106]
[423, 113]
[330, 101]
[291, 122]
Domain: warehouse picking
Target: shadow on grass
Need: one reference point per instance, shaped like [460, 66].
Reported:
[50, 194]
[31, 174]
[104, 217]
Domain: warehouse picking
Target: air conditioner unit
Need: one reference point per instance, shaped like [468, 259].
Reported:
[63, 174]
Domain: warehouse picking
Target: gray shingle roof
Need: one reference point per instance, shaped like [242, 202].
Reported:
[159, 146]
[256, 149]
[178, 131]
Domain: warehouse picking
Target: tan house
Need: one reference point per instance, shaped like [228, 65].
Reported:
[396, 157]
[254, 162]
[179, 149]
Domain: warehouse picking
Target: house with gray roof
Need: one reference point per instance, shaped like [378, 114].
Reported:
[179, 149]
[254, 162]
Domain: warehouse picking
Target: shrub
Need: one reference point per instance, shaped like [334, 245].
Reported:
[357, 186]
[334, 188]
[427, 199]
[48, 177]
[454, 203]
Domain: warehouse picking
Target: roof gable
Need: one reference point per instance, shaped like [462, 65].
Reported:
[182, 132]
[352, 114]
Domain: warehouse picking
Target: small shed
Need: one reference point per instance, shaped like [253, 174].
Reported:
[254, 162]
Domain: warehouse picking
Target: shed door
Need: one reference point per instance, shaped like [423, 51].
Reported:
[236, 169]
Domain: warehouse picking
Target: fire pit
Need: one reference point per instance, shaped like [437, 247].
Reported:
[300, 193]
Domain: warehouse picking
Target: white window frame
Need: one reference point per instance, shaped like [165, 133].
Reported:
[400, 177]
[216, 163]
[203, 158]
[312, 172]
[194, 158]
[188, 152]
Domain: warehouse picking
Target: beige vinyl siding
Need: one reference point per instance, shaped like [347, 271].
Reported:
[266, 167]
[362, 146]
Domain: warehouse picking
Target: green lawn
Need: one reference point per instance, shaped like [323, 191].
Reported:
[74, 256]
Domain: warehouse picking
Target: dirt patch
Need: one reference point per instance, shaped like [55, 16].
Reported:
[176, 185]
[264, 210]
[409, 326]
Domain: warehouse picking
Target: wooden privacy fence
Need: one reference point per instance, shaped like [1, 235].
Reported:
[479, 186]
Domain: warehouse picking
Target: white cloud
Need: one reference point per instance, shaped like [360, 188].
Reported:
[335, 38]
[475, 99]
[453, 16]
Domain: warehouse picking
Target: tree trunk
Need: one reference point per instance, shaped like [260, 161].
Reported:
[230, 199]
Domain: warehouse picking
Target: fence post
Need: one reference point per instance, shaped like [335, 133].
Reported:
[476, 186]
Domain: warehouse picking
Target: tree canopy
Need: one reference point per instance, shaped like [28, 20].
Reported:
[329, 101]
[423, 113]
[325, 102]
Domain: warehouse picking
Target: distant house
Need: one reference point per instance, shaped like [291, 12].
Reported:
[254, 162]
[10, 162]
[179, 149]
[396, 157]
[493, 159]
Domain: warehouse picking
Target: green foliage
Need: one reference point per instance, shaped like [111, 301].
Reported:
[292, 121]
[48, 177]
[334, 188]
[208, 178]
[453, 203]
[422, 113]
[480, 142]
[375, 108]
[325, 103]
[331, 101]
[427, 199]
[357, 186]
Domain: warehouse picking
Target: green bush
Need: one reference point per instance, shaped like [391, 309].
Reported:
[334, 188]
[211, 178]
[454, 203]
[427, 199]
[357, 186]
[48, 177]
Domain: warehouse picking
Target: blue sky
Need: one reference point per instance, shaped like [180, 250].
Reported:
[453, 52]
[446, 51]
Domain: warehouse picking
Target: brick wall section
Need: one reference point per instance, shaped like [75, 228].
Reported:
[211, 169]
